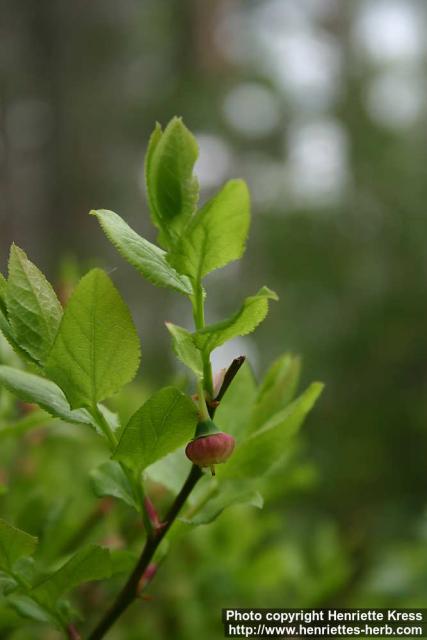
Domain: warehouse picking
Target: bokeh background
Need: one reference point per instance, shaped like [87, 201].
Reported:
[321, 105]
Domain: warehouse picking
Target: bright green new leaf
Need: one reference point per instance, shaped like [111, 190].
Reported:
[109, 479]
[264, 448]
[277, 389]
[146, 257]
[97, 349]
[32, 388]
[249, 316]
[166, 421]
[234, 411]
[217, 233]
[88, 564]
[34, 312]
[172, 189]
[14, 544]
[185, 349]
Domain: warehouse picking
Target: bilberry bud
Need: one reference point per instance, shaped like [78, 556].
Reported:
[210, 446]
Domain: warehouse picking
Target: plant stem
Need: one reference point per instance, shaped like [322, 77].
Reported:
[130, 590]
[105, 427]
[203, 410]
[199, 321]
[72, 632]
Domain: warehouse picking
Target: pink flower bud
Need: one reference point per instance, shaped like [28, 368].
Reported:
[209, 450]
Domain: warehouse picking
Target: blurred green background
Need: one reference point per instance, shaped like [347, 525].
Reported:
[321, 106]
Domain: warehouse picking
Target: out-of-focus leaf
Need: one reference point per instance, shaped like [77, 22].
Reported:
[88, 564]
[265, 447]
[166, 421]
[170, 471]
[277, 389]
[29, 608]
[97, 348]
[233, 414]
[122, 561]
[14, 544]
[216, 235]
[34, 312]
[146, 257]
[229, 494]
[249, 316]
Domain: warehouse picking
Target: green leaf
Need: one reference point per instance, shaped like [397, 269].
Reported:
[28, 608]
[166, 421]
[109, 479]
[31, 388]
[97, 349]
[34, 312]
[123, 561]
[14, 544]
[216, 235]
[172, 189]
[277, 389]
[234, 411]
[185, 349]
[6, 330]
[249, 316]
[264, 448]
[170, 471]
[88, 564]
[3, 288]
[148, 259]
[229, 494]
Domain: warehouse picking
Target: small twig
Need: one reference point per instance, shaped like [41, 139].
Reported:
[130, 591]
[72, 632]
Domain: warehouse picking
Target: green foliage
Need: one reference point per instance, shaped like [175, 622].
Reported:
[277, 388]
[236, 408]
[146, 257]
[109, 479]
[185, 349]
[44, 601]
[216, 235]
[32, 388]
[3, 288]
[244, 321]
[14, 544]
[172, 189]
[227, 495]
[6, 330]
[84, 355]
[96, 350]
[33, 310]
[166, 421]
[90, 563]
[264, 448]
